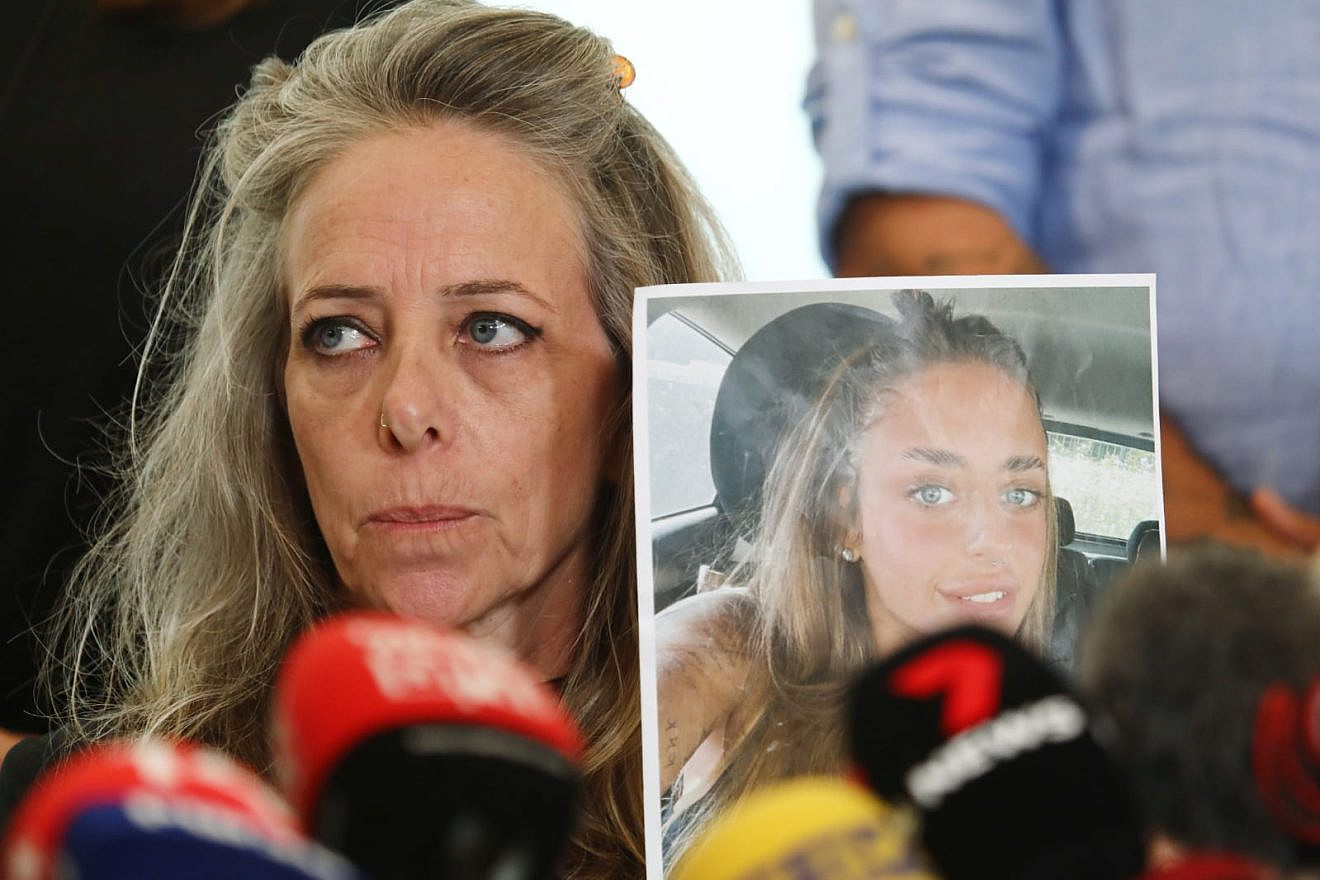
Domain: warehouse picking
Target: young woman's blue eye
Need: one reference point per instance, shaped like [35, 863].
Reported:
[335, 336]
[931, 495]
[498, 332]
[1020, 497]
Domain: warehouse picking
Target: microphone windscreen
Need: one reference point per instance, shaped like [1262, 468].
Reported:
[157, 809]
[803, 828]
[995, 752]
[417, 751]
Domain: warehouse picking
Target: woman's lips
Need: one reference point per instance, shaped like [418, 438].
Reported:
[429, 518]
[983, 597]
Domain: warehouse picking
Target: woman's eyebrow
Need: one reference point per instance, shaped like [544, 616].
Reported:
[486, 286]
[461, 289]
[336, 291]
[1019, 463]
[941, 457]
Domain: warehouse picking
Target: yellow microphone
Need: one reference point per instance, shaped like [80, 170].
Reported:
[816, 827]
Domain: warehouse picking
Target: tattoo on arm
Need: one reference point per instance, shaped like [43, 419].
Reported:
[671, 747]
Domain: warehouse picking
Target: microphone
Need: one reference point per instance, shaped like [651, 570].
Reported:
[1211, 866]
[809, 827]
[423, 753]
[1285, 763]
[158, 809]
[988, 743]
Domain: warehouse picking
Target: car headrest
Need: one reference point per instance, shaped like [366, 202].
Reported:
[1144, 542]
[1067, 525]
[771, 383]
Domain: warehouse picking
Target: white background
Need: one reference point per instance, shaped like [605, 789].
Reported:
[723, 81]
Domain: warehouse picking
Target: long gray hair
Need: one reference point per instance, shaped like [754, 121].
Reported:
[209, 560]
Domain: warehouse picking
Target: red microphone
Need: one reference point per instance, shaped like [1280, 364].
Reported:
[419, 752]
[1210, 866]
[1285, 761]
[159, 809]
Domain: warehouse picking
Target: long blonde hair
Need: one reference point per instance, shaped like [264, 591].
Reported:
[209, 561]
[810, 632]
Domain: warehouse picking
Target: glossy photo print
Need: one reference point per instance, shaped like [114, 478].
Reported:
[828, 471]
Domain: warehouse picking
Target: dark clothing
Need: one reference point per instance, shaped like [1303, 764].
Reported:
[101, 129]
[24, 763]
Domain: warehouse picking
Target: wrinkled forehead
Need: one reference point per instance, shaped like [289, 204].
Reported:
[430, 164]
[434, 199]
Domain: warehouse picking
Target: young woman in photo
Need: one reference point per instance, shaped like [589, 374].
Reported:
[914, 496]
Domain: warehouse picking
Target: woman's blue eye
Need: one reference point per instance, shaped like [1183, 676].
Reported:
[498, 332]
[330, 336]
[931, 495]
[1021, 497]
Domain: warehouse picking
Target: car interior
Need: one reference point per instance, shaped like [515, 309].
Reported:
[1089, 355]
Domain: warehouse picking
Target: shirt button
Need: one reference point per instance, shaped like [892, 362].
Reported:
[845, 27]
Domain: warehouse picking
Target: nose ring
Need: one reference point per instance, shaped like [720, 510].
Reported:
[382, 420]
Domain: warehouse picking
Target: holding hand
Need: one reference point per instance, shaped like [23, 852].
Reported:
[1297, 527]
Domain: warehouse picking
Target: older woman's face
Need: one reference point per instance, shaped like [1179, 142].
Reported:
[951, 498]
[448, 383]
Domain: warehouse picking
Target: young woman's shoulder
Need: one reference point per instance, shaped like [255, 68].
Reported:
[709, 632]
[702, 649]
[728, 605]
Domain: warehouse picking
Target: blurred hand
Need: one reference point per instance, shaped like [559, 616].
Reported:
[900, 234]
[1297, 527]
[1199, 504]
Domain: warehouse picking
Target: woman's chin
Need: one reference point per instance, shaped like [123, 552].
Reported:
[439, 601]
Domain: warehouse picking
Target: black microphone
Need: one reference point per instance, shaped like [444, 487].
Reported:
[423, 753]
[158, 810]
[993, 749]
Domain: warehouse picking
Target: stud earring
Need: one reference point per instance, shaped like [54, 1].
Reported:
[848, 554]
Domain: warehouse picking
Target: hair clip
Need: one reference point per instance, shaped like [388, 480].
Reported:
[624, 72]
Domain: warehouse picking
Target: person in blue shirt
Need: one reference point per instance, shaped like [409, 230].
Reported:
[1180, 138]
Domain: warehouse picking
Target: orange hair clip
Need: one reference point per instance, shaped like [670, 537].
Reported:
[624, 72]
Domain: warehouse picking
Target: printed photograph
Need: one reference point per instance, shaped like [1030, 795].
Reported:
[829, 470]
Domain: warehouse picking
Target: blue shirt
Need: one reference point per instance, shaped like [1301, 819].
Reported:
[1180, 137]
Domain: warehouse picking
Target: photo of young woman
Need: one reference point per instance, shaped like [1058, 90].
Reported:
[911, 494]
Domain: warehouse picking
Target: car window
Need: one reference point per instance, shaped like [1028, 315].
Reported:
[685, 368]
[1109, 485]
